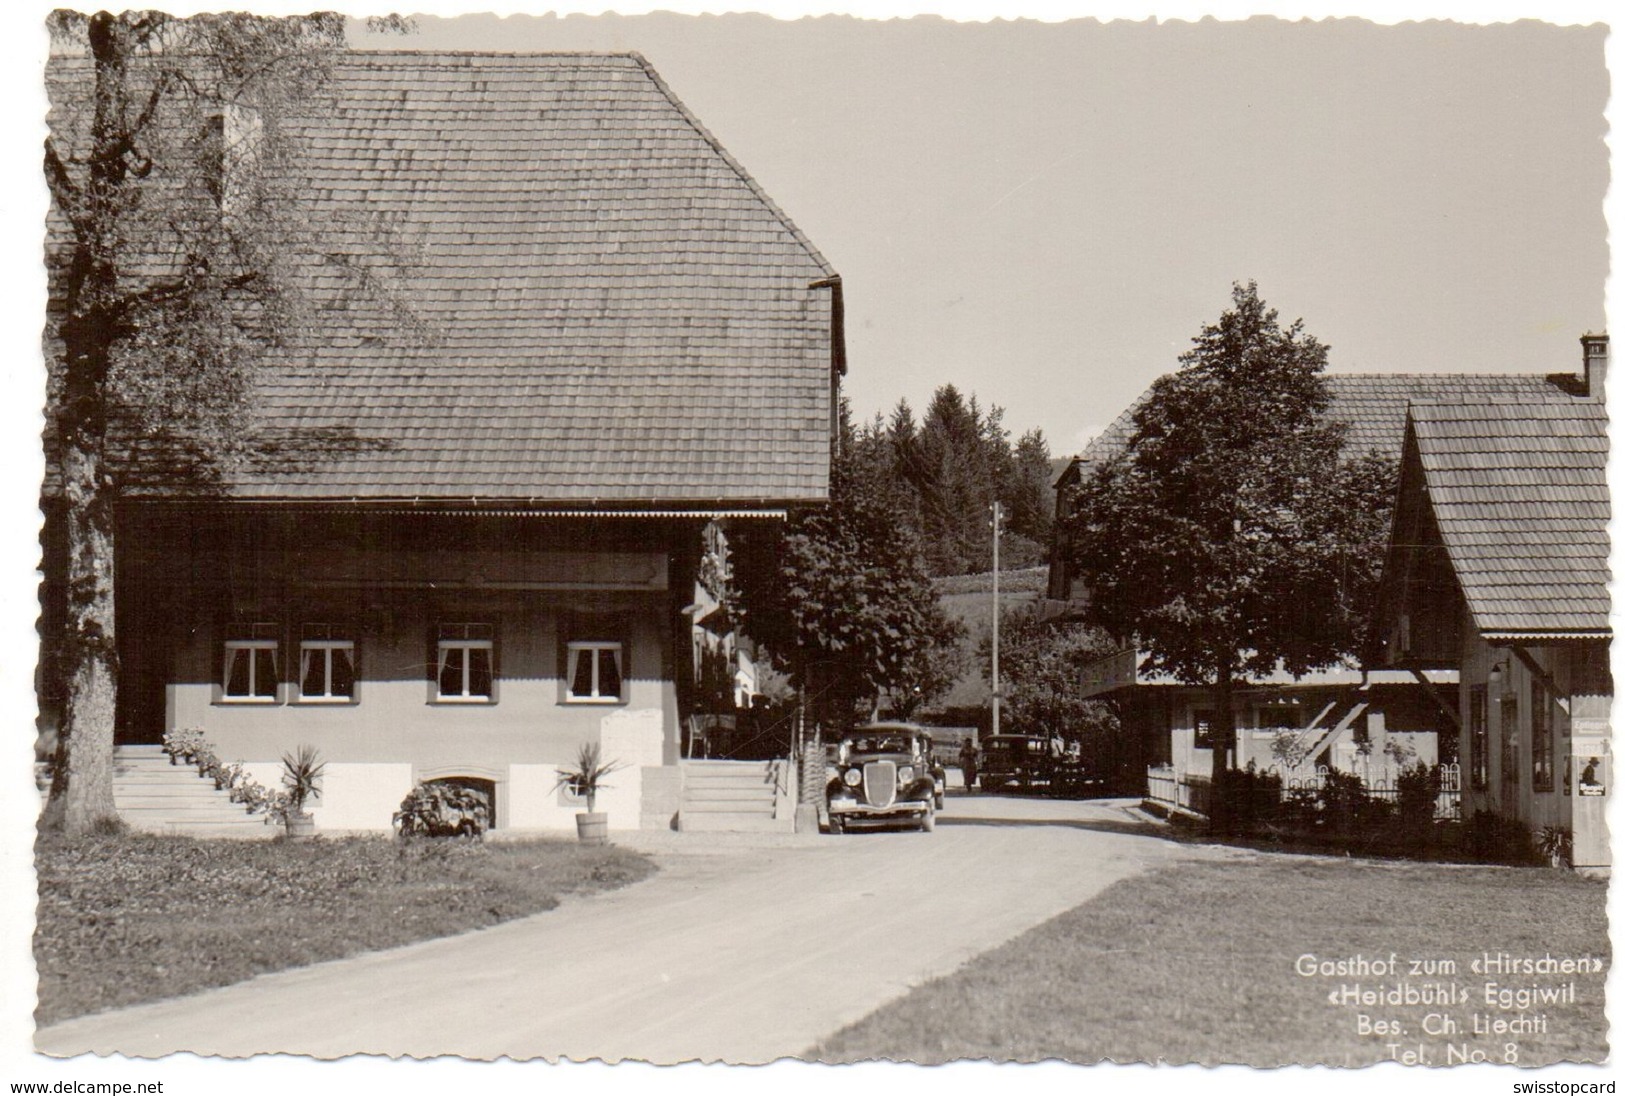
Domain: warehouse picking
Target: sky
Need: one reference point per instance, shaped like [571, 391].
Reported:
[1046, 214]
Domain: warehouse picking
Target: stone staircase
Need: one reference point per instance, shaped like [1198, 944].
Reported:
[736, 797]
[154, 796]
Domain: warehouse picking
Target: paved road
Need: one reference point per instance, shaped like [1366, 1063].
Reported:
[739, 950]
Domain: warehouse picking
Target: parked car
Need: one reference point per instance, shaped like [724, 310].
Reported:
[883, 774]
[939, 772]
[1014, 760]
[1028, 762]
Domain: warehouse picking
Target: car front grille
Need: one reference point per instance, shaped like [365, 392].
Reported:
[880, 783]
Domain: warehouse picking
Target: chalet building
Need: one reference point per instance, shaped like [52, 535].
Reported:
[1349, 717]
[466, 554]
[1498, 571]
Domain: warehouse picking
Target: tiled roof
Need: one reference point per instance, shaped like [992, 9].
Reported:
[1521, 499]
[618, 313]
[1372, 404]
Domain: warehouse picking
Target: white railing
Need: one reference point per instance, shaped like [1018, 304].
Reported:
[1187, 791]
[1192, 792]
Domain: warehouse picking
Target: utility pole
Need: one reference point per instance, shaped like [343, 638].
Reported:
[998, 517]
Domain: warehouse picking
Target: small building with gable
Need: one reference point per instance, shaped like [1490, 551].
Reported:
[1498, 571]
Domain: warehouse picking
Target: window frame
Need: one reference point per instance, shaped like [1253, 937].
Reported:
[1270, 708]
[338, 637]
[1203, 724]
[1509, 739]
[442, 642]
[574, 649]
[1478, 735]
[1542, 758]
[263, 636]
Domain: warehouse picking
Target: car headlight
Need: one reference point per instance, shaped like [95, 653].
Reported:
[852, 778]
[905, 774]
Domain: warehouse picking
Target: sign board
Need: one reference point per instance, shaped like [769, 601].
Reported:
[1112, 672]
[1590, 754]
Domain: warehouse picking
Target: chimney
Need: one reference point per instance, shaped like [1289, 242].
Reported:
[1595, 349]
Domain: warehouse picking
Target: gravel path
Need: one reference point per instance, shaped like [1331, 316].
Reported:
[740, 950]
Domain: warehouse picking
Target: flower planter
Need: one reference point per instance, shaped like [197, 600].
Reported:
[301, 827]
[592, 827]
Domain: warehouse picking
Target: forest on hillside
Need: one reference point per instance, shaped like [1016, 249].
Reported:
[943, 472]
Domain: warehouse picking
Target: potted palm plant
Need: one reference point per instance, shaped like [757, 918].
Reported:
[583, 780]
[301, 778]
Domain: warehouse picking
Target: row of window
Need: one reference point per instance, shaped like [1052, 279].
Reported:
[1542, 763]
[463, 670]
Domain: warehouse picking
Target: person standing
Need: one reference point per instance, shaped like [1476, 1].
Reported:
[967, 762]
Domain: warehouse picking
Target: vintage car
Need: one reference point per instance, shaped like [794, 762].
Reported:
[1030, 762]
[882, 775]
[939, 772]
[1013, 760]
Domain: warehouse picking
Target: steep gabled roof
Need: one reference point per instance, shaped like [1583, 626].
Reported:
[617, 313]
[1372, 404]
[1520, 496]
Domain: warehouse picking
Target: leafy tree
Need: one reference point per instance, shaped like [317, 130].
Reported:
[1229, 537]
[840, 595]
[177, 254]
[1041, 666]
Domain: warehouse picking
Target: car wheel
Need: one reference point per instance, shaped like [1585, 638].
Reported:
[837, 825]
[928, 821]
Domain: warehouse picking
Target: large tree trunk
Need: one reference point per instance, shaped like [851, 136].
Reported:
[82, 783]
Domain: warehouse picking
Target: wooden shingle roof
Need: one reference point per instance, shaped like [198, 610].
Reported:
[1372, 404]
[616, 312]
[1519, 491]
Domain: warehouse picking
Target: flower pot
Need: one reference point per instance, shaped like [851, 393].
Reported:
[592, 827]
[301, 827]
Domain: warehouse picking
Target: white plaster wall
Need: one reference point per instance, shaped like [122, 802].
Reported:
[534, 800]
[361, 796]
[268, 773]
[355, 796]
[633, 736]
[622, 799]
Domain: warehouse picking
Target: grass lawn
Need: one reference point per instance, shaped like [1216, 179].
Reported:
[1196, 963]
[136, 918]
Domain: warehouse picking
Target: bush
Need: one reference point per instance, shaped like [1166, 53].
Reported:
[1494, 839]
[444, 808]
[1246, 798]
[1301, 809]
[1345, 804]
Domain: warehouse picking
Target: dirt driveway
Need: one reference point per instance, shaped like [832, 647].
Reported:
[739, 950]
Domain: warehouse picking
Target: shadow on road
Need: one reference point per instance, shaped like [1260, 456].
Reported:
[1097, 825]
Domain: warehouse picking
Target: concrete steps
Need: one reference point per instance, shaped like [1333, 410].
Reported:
[734, 797]
[154, 796]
